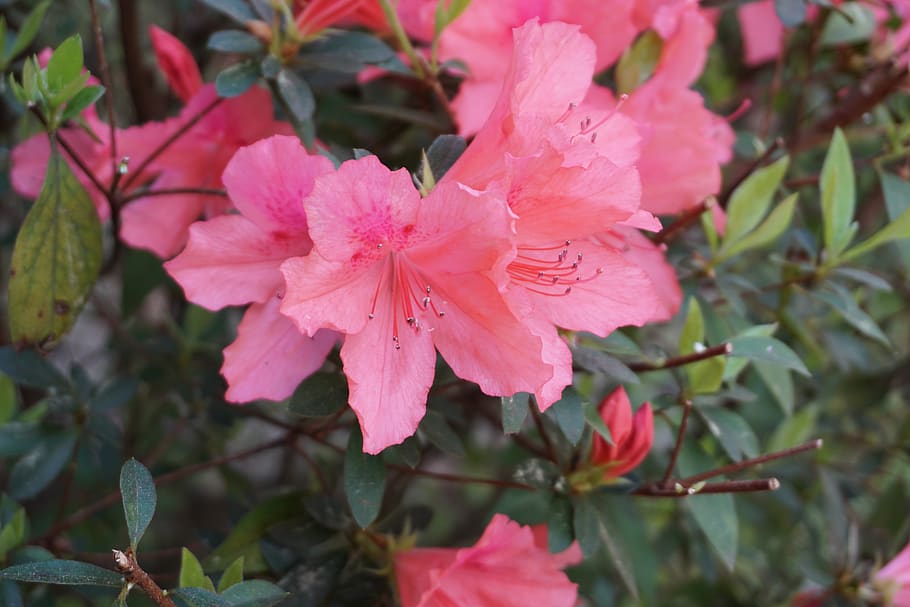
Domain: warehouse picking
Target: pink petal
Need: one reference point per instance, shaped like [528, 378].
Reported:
[474, 103]
[29, 164]
[762, 31]
[268, 180]
[230, 261]
[653, 261]
[270, 357]
[416, 569]
[638, 443]
[176, 63]
[388, 384]
[159, 223]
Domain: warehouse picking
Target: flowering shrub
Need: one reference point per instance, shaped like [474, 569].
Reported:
[328, 303]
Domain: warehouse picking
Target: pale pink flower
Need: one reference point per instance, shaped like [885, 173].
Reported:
[398, 275]
[632, 435]
[198, 158]
[894, 580]
[505, 568]
[568, 177]
[236, 259]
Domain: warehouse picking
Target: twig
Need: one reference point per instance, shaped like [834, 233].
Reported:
[106, 82]
[137, 80]
[689, 217]
[748, 463]
[454, 478]
[171, 192]
[125, 563]
[687, 409]
[763, 484]
[680, 361]
[881, 82]
[170, 140]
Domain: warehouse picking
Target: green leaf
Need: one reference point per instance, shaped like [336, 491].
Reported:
[297, 95]
[443, 153]
[843, 302]
[18, 438]
[56, 259]
[595, 526]
[191, 573]
[28, 368]
[139, 499]
[750, 201]
[364, 481]
[514, 411]
[898, 229]
[897, 201]
[7, 398]
[29, 29]
[852, 23]
[707, 375]
[82, 100]
[569, 414]
[601, 362]
[322, 394]
[779, 382]
[560, 533]
[593, 418]
[766, 233]
[638, 62]
[254, 593]
[769, 349]
[234, 41]
[35, 471]
[733, 432]
[54, 571]
[235, 9]
[13, 532]
[794, 430]
[345, 52]
[715, 514]
[199, 597]
[10, 595]
[232, 575]
[237, 79]
[838, 191]
[435, 428]
[250, 529]
[65, 64]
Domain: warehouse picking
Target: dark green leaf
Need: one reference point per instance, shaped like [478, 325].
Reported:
[779, 382]
[28, 368]
[235, 9]
[296, 94]
[18, 438]
[838, 190]
[65, 64]
[56, 259]
[29, 28]
[115, 394]
[514, 412]
[237, 79]
[560, 533]
[594, 526]
[35, 471]
[767, 349]
[443, 153]
[320, 395]
[601, 362]
[714, 513]
[364, 481]
[10, 595]
[198, 597]
[435, 427]
[254, 593]
[569, 414]
[252, 527]
[346, 52]
[587, 526]
[139, 499]
[191, 573]
[234, 41]
[63, 572]
[733, 432]
[841, 300]
[593, 418]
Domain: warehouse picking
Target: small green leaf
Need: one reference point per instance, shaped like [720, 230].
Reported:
[65, 64]
[435, 428]
[35, 471]
[838, 191]
[514, 412]
[569, 414]
[597, 361]
[560, 533]
[852, 23]
[13, 532]
[345, 52]
[705, 376]
[843, 302]
[191, 573]
[443, 153]
[8, 399]
[235, 9]
[54, 571]
[235, 41]
[638, 62]
[794, 430]
[200, 597]
[237, 79]
[766, 233]
[364, 481]
[254, 593]
[297, 95]
[232, 575]
[733, 432]
[768, 349]
[322, 394]
[56, 259]
[898, 229]
[82, 100]
[139, 499]
[28, 368]
[29, 29]
[897, 200]
[750, 201]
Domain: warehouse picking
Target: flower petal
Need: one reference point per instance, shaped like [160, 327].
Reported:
[176, 63]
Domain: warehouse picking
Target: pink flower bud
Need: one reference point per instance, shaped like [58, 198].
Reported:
[177, 64]
[632, 436]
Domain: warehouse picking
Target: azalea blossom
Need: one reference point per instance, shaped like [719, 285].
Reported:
[632, 435]
[894, 580]
[235, 260]
[402, 276]
[505, 568]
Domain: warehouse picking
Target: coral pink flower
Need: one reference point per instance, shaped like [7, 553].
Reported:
[632, 436]
[197, 159]
[894, 579]
[313, 16]
[503, 569]
[567, 177]
[398, 275]
[763, 33]
[235, 260]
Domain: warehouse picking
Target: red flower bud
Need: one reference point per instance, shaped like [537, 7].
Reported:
[632, 436]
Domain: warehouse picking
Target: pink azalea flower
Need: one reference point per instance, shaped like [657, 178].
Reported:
[198, 158]
[235, 260]
[762, 31]
[894, 579]
[503, 569]
[398, 275]
[632, 436]
[568, 178]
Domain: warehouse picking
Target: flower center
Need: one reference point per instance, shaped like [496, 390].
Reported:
[412, 296]
[550, 270]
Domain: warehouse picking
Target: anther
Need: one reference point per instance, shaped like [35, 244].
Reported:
[371, 316]
[593, 136]
[379, 246]
[426, 302]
